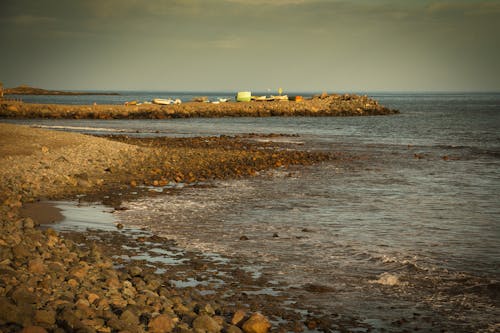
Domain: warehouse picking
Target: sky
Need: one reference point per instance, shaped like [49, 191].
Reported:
[256, 45]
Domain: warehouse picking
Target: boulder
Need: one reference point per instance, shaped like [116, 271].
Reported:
[161, 324]
[256, 324]
[45, 317]
[206, 324]
[36, 266]
[238, 317]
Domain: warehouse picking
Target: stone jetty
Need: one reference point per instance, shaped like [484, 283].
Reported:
[320, 105]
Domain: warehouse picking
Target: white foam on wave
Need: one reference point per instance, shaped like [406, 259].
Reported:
[388, 279]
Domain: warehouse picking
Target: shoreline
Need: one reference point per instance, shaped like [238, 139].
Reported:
[50, 282]
[26, 90]
[318, 106]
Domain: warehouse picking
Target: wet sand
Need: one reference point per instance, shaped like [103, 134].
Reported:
[83, 281]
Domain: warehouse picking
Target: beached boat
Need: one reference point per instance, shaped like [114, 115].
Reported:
[259, 98]
[281, 98]
[244, 96]
[162, 101]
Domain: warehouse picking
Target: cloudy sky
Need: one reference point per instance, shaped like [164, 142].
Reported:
[228, 45]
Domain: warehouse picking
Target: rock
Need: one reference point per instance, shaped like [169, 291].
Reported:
[92, 298]
[80, 272]
[243, 237]
[45, 317]
[117, 301]
[36, 266]
[9, 312]
[161, 324]
[22, 295]
[233, 329]
[129, 318]
[28, 223]
[256, 324]
[73, 283]
[12, 108]
[21, 251]
[238, 317]
[206, 324]
[135, 271]
[33, 329]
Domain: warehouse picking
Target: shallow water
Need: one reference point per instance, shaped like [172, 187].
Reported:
[410, 229]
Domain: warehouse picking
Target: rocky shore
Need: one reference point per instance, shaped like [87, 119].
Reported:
[51, 283]
[321, 105]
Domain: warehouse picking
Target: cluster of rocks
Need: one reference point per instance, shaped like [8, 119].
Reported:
[51, 284]
[322, 105]
[48, 283]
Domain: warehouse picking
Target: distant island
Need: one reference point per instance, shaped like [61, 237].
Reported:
[27, 90]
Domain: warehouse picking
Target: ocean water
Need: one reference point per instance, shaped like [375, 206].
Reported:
[139, 96]
[409, 229]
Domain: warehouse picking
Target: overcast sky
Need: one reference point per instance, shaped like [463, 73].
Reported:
[229, 45]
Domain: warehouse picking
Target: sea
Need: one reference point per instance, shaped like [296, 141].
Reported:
[410, 228]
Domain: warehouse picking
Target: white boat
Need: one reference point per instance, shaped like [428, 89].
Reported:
[162, 101]
[280, 98]
[223, 100]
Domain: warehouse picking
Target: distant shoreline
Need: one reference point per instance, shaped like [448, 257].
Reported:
[323, 105]
[26, 90]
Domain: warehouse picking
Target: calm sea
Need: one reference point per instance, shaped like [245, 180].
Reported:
[413, 225]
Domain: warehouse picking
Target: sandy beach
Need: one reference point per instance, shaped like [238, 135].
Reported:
[49, 283]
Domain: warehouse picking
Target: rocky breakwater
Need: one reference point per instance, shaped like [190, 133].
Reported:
[51, 284]
[321, 105]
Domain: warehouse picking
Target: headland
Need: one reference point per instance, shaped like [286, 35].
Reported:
[27, 90]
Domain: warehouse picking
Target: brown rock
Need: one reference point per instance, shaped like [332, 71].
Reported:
[135, 271]
[21, 251]
[73, 283]
[206, 324]
[129, 318]
[92, 298]
[256, 324]
[22, 295]
[33, 329]
[161, 324]
[45, 317]
[238, 317]
[36, 266]
[233, 329]
[80, 272]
